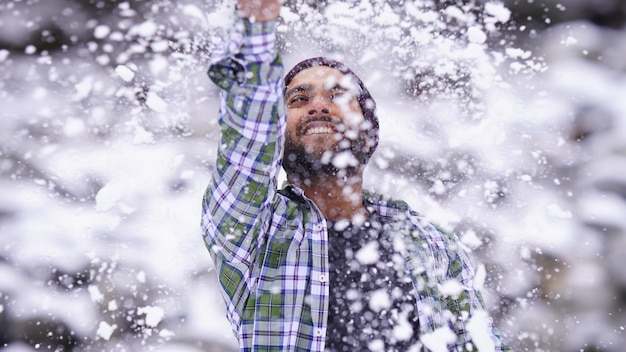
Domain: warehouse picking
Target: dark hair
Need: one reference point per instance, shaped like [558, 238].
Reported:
[367, 103]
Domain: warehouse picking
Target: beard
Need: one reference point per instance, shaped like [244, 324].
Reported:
[309, 163]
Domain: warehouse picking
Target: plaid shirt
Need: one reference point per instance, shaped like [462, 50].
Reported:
[270, 247]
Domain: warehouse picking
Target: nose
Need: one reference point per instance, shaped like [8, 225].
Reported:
[319, 104]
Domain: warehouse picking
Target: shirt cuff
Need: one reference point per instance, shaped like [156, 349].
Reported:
[247, 43]
[259, 44]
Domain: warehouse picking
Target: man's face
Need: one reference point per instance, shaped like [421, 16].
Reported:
[324, 119]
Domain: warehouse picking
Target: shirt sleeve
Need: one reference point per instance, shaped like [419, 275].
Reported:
[249, 72]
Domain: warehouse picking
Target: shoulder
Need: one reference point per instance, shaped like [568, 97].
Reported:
[399, 210]
[290, 202]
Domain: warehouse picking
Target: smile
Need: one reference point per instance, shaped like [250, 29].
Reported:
[318, 130]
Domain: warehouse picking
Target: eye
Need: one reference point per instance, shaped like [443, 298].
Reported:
[340, 94]
[297, 99]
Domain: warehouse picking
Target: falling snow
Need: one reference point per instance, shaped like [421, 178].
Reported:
[507, 134]
[105, 330]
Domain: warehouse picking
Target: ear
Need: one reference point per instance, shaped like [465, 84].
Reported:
[368, 145]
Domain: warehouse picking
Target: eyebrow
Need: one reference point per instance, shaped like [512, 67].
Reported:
[306, 87]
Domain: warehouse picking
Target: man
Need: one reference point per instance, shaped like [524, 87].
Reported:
[322, 265]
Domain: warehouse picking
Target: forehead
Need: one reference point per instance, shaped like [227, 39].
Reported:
[318, 75]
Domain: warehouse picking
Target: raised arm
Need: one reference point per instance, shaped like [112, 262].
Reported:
[252, 126]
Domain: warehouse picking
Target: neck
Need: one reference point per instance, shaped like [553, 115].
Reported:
[337, 197]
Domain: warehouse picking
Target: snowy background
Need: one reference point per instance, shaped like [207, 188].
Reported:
[504, 122]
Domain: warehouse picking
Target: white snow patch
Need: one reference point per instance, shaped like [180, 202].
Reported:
[4, 54]
[105, 330]
[516, 53]
[601, 208]
[146, 29]
[108, 196]
[476, 35]
[403, 329]
[481, 277]
[95, 294]
[30, 49]
[498, 11]
[344, 160]
[438, 340]
[40, 93]
[368, 254]
[387, 17]
[556, 211]
[101, 31]
[451, 288]
[125, 73]
[470, 239]
[154, 102]
[73, 127]
[455, 12]
[223, 17]
[159, 46]
[376, 345]
[165, 333]
[83, 88]
[353, 294]
[154, 315]
[142, 136]
[569, 41]
[141, 276]
[195, 12]
[380, 300]
[341, 225]
[478, 328]
[158, 64]
[586, 276]
[275, 289]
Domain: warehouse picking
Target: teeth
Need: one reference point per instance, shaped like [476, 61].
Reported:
[319, 130]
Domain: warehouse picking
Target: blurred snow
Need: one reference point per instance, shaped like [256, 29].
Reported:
[503, 123]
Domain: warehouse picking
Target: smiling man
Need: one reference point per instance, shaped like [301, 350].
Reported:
[321, 264]
[328, 139]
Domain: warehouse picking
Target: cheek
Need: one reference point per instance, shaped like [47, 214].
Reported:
[354, 119]
[351, 112]
[356, 113]
[291, 121]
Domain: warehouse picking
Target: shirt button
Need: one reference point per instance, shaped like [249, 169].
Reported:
[322, 278]
[318, 332]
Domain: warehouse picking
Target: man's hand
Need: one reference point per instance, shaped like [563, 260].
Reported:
[259, 10]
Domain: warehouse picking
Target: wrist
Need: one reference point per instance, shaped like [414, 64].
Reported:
[259, 10]
[255, 28]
